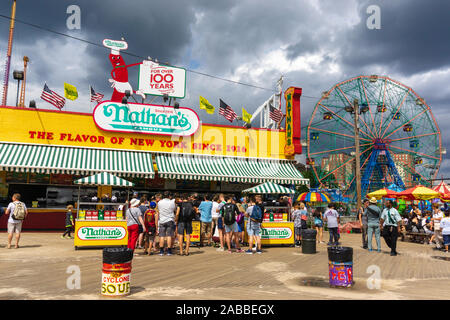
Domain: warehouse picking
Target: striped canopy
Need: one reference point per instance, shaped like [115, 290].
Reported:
[229, 169]
[442, 188]
[419, 193]
[269, 188]
[70, 160]
[314, 197]
[382, 193]
[104, 179]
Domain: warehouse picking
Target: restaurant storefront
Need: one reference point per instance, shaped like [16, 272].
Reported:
[43, 152]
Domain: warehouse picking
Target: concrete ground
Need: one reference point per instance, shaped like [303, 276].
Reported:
[38, 270]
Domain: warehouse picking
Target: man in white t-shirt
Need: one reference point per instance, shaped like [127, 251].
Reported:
[437, 216]
[331, 217]
[14, 226]
[165, 222]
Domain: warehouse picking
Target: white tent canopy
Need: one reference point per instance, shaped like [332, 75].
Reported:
[104, 179]
[269, 188]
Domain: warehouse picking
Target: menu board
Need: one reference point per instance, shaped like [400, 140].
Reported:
[64, 179]
[16, 177]
[39, 178]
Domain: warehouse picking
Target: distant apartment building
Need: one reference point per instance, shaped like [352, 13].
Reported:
[344, 175]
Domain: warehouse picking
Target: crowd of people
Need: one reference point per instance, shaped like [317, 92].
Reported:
[390, 224]
[170, 216]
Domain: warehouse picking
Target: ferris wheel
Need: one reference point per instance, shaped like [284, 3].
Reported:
[399, 138]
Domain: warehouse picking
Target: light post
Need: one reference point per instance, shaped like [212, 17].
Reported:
[356, 110]
[18, 75]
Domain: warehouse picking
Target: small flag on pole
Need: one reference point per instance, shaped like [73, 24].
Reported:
[53, 98]
[227, 112]
[205, 105]
[95, 96]
[70, 91]
[275, 114]
[247, 117]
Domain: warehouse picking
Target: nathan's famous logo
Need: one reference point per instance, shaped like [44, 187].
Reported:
[101, 233]
[276, 233]
[150, 119]
[289, 120]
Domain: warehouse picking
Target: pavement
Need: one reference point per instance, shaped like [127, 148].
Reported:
[43, 266]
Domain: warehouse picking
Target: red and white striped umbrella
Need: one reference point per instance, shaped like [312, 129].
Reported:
[442, 188]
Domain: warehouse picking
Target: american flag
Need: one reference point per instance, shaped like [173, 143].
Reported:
[95, 96]
[227, 112]
[53, 98]
[275, 114]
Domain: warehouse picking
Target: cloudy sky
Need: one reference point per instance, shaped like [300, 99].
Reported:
[314, 44]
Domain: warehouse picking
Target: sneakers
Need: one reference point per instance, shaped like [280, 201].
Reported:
[229, 251]
[169, 251]
[220, 249]
[161, 252]
[393, 253]
[258, 251]
[249, 251]
[239, 250]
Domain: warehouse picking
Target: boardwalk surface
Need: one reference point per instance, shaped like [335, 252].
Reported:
[38, 270]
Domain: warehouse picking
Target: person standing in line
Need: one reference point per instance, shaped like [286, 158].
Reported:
[229, 212]
[150, 224]
[165, 222]
[134, 219]
[17, 212]
[437, 217]
[240, 220]
[143, 206]
[373, 214]
[254, 215]
[220, 225]
[445, 229]
[390, 224]
[185, 215]
[69, 223]
[362, 217]
[331, 217]
[214, 214]
[318, 224]
[205, 208]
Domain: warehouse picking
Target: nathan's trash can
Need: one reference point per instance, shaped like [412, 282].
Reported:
[340, 264]
[309, 241]
[116, 271]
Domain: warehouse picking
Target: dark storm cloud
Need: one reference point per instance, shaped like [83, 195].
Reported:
[413, 37]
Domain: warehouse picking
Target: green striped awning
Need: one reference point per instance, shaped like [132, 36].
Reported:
[71, 160]
[269, 188]
[104, 179]
[229, 169]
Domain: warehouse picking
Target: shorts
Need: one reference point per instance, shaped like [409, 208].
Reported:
[167, 229]
[254, 229]
[206, 229]
[298, 231]
[15, 227]
[241, 227]
[220, 223]
[182, 226]
[141, 228]
[150, 234]
[232, 228]
[446, 239]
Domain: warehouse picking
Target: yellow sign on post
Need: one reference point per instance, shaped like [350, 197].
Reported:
[100, 233]
[195, 236]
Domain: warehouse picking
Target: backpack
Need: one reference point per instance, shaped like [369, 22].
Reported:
[19, 211]
[373, 213]
[229, 216]
[256, 215]
[186, 212]
[240, 218]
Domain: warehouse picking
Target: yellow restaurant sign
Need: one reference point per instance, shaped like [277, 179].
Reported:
[47, 127]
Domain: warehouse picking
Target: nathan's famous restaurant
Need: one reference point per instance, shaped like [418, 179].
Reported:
[157, 148]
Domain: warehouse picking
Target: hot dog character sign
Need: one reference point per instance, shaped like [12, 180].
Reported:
[119, 73]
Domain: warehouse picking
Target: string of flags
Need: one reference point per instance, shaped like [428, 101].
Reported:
[228, 113]
[70, 92]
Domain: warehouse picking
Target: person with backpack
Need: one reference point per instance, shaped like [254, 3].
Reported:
[240, 220]
[254, 214]
[390, 223]
[206, 220]
[373, 214]
[150, 225]
[69, 223]
[17, 212]
[229, 213]
[318, 224]
[185, 215]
